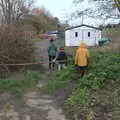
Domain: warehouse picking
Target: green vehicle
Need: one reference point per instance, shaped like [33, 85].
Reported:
[104, 41]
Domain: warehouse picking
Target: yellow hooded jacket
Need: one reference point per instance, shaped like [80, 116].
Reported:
[82, 55]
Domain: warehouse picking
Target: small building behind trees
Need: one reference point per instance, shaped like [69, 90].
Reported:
[82, 33]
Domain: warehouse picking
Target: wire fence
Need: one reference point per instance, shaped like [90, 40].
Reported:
[41, 59]
[5, 71]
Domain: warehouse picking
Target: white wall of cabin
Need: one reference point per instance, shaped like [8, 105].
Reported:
[71, 40]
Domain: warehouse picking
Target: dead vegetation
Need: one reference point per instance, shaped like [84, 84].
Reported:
[14, 48]
[115, 44]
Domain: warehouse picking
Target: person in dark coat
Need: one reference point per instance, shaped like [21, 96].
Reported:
[52, 52]
[61, 58]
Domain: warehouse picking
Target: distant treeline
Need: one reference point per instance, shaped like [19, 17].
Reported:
[110, 26]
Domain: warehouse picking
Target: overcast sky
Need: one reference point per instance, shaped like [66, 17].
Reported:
[63, 8]
[57, 7]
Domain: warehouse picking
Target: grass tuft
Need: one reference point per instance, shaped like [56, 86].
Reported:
[20, 85]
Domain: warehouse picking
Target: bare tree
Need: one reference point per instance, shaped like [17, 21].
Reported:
[103, 9]
[116, 3]
[13, 10]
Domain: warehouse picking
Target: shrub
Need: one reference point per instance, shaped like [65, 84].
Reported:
[14, 49]
[13, 46]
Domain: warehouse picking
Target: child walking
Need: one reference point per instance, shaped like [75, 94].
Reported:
[62, 59]
[82, 59]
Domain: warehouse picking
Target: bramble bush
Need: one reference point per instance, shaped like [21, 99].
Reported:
[14, 48]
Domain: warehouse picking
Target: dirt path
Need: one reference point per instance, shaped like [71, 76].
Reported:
[33, 105]
[46, 105]
[41, 50]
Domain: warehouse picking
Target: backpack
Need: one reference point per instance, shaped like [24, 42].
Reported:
[53, 50]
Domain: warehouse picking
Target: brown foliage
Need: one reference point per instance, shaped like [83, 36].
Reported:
[13, 46]
[43, 36]
[115, 44]
[41, 20]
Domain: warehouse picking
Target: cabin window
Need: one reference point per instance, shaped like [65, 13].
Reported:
[88, 34]
[76, 34]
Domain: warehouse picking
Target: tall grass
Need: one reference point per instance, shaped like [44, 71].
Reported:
[60, 80]
[19, 86]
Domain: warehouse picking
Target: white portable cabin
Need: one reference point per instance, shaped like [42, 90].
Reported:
[82, 33]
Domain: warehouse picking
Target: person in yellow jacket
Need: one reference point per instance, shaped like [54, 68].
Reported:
[82, 59]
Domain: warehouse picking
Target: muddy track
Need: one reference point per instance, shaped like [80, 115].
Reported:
[33, 105]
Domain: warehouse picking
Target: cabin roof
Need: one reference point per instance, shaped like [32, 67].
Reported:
[70, 28]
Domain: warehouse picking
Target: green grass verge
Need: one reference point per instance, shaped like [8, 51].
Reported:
[35, 40]
[114, 31]
[104, 67]
[59, 80]
[19, 85]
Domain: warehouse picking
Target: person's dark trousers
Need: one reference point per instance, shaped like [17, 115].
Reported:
[82, 70]
[51, 64]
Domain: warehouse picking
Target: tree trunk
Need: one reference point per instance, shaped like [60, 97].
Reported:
[117, 4]
[12, 10]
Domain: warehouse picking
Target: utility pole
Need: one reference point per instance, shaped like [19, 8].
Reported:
[82, 18]
[82, 29]
[59, 35]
